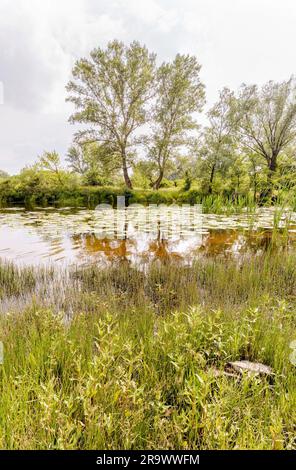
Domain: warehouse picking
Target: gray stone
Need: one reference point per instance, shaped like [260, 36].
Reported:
[254, 368]
[223, 373]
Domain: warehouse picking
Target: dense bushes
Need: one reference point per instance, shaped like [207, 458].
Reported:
[34, 187]
[121, 359]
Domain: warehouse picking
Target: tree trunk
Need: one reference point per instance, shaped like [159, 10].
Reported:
[157, 183]
[212, 179]
[125, 173]
[272, 167]
[255, 189]
[273, 163]
[266, 195]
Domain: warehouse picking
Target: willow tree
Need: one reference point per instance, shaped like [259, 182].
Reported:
[179, 94]
[266, 119]
[94, 161]
[51, 161]
[77, 160]
[110, 91]
[218, 138]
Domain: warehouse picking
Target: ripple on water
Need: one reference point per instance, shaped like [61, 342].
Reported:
[137, 234]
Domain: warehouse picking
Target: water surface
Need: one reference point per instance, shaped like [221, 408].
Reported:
[137, 234]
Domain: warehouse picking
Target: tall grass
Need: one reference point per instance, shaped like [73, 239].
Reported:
[208, 281]
[91, 196]
[15, 281]
[128, 359]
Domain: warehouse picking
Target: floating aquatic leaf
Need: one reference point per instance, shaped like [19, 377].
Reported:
[29, 235]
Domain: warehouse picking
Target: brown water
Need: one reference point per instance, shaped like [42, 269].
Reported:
[136, 234]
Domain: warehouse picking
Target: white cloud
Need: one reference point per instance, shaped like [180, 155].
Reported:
[151, 12]
[40, 41]
[234, 40]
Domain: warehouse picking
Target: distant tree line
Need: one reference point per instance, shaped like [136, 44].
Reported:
[139, 122]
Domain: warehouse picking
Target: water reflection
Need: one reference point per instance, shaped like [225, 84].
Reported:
[137, 234]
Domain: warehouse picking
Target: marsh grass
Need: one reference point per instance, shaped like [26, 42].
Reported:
[211, 281]
[14, 280]
[127, 359]
[91, 196]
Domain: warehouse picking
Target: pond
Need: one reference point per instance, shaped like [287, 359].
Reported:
[136, 233]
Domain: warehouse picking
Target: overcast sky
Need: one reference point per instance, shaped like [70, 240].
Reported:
[236, 41]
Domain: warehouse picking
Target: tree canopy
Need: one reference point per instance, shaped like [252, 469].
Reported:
[110, 91]
[140, 124]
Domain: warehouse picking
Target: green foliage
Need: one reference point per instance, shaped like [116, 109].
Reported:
[110, 91]
[141, 119]
[265, 119]
[188, 181]
[180, 94]
[139, 362]
[37, 187]
[97, 163]
[51, 161]
[15, 281]
[129, 358]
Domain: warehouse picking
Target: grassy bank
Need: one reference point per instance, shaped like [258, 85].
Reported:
[122, 359]
[91, 196]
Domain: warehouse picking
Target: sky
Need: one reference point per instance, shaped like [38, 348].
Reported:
[236, 41]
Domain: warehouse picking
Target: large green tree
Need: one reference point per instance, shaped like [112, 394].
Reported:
[110, 91]
[180, 94]
[51, 161]
[217, 139]
[266, 119]
[95, 162]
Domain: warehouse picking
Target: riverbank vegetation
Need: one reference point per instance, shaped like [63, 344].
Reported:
[123, 359]
[35, 188]
[137, 356]
[139, 133]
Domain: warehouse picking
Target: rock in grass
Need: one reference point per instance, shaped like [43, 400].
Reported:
[253, 368]
[223, 373]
